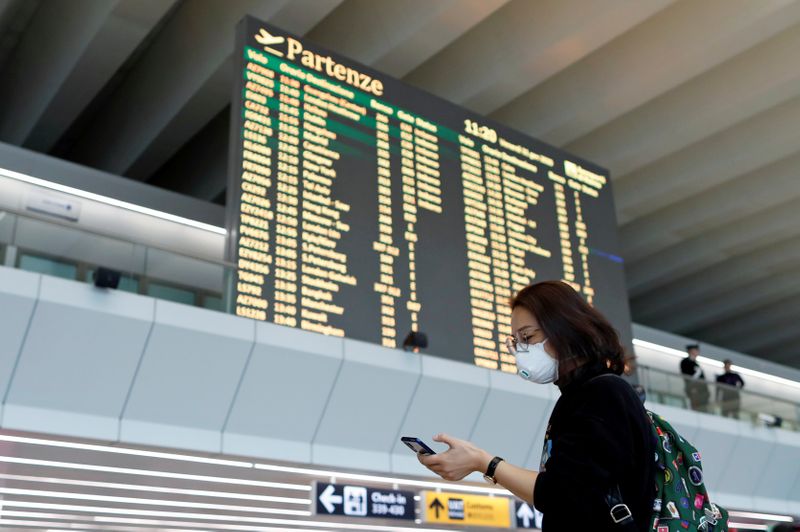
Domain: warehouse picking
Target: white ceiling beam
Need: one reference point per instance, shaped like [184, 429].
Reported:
[712, 247]
[725, 277]
[396, 37]
[7, 8]
[523, 44]
[50, 48]
[776, 337]
[739, 88]
[787, 353]
[180, 83]
[717, 309]
[14, 18]
[755, 322]
[756, 142]
[677, 44]
[199, 169]
[759, 190]
[201, 108]
[121, 33]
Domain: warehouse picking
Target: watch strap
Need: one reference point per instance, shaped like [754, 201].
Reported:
[493, 466]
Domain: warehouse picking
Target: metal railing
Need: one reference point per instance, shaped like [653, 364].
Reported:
[671, 389]
[62, 249]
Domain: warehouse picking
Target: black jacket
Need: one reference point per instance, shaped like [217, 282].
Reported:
[731, 379]
[599, 436]
[691, 368]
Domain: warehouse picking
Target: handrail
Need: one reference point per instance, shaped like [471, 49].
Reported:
[94, 232]
[718, 384]
[757, 406]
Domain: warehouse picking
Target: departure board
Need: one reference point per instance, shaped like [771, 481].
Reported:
[359, 206]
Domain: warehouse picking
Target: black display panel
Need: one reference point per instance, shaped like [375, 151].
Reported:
[359, 206]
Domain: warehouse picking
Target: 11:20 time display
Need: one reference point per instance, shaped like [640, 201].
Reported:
[483, 132]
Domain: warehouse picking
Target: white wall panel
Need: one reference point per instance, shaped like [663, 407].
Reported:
[793, 503]
[740, 476]
[447, 400]
[778, 488]
[514, 417]
[370, 398]
[716, 441]
[686, 422]
[773, 485]
[78, 360]
[283, 393]
[187, 378]
[18, 294]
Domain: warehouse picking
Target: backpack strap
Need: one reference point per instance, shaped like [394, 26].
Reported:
[620, 514]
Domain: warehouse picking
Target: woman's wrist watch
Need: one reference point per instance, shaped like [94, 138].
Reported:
[489, 475]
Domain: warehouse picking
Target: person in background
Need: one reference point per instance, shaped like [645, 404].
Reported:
[695, 379]
[728, 395]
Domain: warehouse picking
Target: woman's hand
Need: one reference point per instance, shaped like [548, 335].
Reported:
[457, 462]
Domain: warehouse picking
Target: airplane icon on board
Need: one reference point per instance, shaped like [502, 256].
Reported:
[265, 38]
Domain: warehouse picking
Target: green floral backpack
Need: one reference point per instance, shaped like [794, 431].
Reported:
[682, 502]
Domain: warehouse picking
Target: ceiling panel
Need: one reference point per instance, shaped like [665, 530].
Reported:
[735, 90]
[651, 58]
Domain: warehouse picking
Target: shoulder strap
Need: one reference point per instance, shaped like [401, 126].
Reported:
[620, 514]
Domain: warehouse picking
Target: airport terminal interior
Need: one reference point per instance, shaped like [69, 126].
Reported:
[249, 246]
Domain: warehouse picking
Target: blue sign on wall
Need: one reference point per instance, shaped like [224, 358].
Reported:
[360, 501]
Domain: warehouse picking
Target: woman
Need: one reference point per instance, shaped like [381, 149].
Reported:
[598, 437]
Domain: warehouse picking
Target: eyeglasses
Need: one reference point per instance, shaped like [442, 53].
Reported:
[517, 343]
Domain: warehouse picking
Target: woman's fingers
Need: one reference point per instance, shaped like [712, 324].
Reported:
[453, 464]
[430, 459]
[436, 464]
[445, 438]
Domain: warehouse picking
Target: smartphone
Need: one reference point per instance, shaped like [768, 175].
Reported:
[417, 445]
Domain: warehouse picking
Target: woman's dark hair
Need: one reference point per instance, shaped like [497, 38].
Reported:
[573, 327]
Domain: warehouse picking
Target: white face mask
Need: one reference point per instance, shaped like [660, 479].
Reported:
[536, 365]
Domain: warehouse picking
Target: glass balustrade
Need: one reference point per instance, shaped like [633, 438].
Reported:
[62, 250]
[670, 389]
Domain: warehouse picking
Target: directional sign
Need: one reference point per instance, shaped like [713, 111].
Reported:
[527, 517]
[361, 501]
[468, 510]
[328, 499]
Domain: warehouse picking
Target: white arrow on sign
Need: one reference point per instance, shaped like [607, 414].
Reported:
[526, 514]
[328, 499]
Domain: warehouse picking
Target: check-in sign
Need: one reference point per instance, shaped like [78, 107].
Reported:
[468, 510]
[361, 501]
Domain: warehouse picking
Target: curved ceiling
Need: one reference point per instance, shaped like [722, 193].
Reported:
[693, 106]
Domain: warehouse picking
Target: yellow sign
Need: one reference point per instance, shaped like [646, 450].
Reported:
[464, 509]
